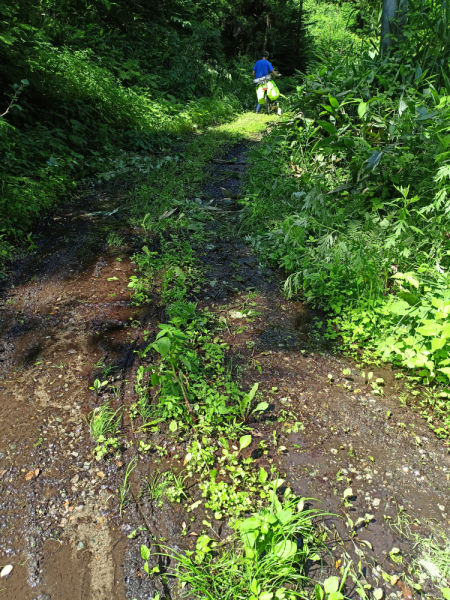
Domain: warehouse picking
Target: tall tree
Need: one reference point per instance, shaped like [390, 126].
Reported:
[388, 16]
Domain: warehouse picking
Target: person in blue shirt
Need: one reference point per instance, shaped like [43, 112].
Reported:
[262, 68]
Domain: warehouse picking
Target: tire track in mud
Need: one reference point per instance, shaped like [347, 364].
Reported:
[61, 529]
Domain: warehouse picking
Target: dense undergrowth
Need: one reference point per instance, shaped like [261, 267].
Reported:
[349, 194]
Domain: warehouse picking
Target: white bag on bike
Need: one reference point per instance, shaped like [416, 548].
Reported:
[260, 93]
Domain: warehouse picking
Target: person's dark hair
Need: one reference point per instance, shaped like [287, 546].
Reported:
[265, 54]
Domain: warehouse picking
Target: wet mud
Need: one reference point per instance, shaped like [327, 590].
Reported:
[66, 308]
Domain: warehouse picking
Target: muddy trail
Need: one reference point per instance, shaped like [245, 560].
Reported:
[68, 319]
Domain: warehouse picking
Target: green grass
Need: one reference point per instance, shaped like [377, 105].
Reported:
[104, 421]
[433, 558]
[266, 558]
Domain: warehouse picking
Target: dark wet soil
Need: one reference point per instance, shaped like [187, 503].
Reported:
[67, 306]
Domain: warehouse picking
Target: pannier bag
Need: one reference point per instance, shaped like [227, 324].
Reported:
[273, 92]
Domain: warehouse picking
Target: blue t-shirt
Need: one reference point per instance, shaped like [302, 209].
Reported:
[262, 68]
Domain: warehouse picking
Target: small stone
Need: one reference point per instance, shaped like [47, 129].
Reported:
[376, 502]
[75, 479]
[405, 469]
[80, 546]
[441, 507]
[6, 571]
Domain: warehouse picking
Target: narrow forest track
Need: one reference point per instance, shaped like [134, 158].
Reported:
[68, 307]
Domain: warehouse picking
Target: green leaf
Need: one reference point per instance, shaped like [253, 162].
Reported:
[224, 443]
[319, 592]
[427, 116]
[249, 538]
[329, 127]
[162, 346]
[437, 343]
[446, 81]
[284, 516]
[202, 543]
[261, 407]
[373, 161]
[362, 109]
[7, 38]
[256, 154]
[245, 441]
[378, 594]
[334, 103]
[266, 596]
[249, 524]
[412, 280]
[146, 568]
[347, 493]
[262, 475]
[411, 299]
[173, 426]
[399, 308]
[145, 552]
[253, 391]
[331, 585]
[336, 596]
[431, 329]
[325, 142]
[285, 549]
[446, 593]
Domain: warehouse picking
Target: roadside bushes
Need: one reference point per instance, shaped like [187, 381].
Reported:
[354, 206]
[94, 127]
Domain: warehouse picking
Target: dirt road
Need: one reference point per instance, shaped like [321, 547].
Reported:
[66, 308]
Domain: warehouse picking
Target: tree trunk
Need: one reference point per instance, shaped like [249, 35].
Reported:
[387, 18]
[267, 31]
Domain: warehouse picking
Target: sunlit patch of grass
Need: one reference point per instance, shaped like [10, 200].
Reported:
[177, 179]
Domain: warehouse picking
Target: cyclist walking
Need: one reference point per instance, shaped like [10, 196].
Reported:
[262, 71]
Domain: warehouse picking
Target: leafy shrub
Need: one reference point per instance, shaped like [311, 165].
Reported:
[351, 193]
[268, 561]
